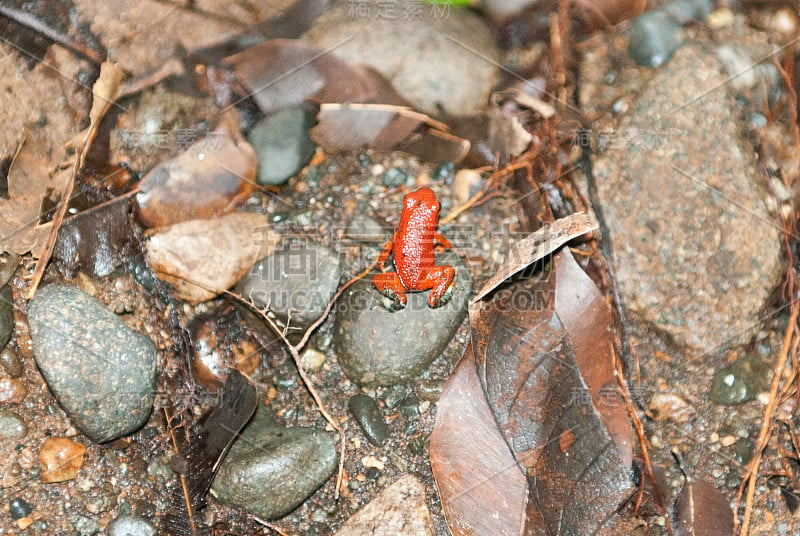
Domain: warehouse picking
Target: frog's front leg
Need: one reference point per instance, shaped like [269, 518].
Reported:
[389, 284]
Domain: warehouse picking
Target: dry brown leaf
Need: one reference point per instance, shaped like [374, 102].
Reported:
[213, 253]
[536, 246]
[282, 72]
[349, 127]
[480, 485]
[702, 510]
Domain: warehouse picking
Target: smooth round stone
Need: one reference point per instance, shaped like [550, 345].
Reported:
[362, 228]
[19, 508]
[394, 178]
[11, 363]
[369, 418]
[654, 37]
[6, 315]
[376, 346]
[12, 391]
[130, 526]
[301, 279]
[740, 381]
[271, 470]
[12, 426]
[282, 144]
[101, 372]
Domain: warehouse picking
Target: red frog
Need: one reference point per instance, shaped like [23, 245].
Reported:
[412, 248]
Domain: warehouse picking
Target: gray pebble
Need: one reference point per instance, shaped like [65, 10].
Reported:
[84, 526]
[741, 381]
[130, 526]
[409, 406]
[282, 144]
[11, 425]
[376, 346]
[394, 395]
[301, 279]
[11, 363]
[654, 37]
[394, 178]
[362, 228]
[6, 315]
[101, 372]
[19, 508]
[369, 418]
[271, 470]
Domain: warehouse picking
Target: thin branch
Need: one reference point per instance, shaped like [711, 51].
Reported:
[751, 474]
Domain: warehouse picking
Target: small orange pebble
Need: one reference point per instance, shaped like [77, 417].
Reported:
[60, 458]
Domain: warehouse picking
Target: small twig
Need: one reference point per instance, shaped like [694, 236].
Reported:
[104, 92]
[751, 474]
[181, 477]
[294, 350]
[271, 526]
[30, 21]
[637, 424]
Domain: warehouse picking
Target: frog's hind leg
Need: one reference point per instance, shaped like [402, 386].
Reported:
[440, 280]
[389, 284]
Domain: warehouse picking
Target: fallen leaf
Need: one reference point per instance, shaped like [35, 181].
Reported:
[399, 509]
[350, 127]
[104, 92]
[200, 452]
[282, 72]
[536, 246]
[599, 14]
[202, 258]
[210, 178]
[586, 317]
[481, 487]
[702, 510]
[529, 362]
[215, 432]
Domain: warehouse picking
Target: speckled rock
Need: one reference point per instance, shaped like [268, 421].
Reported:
[6, 315]
[424, 57]
[398, 509]
[270, 470]
[12, 391]
[12, 426]
[696, 251]
[11, 363]
[130, 526]
[100, 371]
[376, 346]
[282, 144]
[302, 278]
